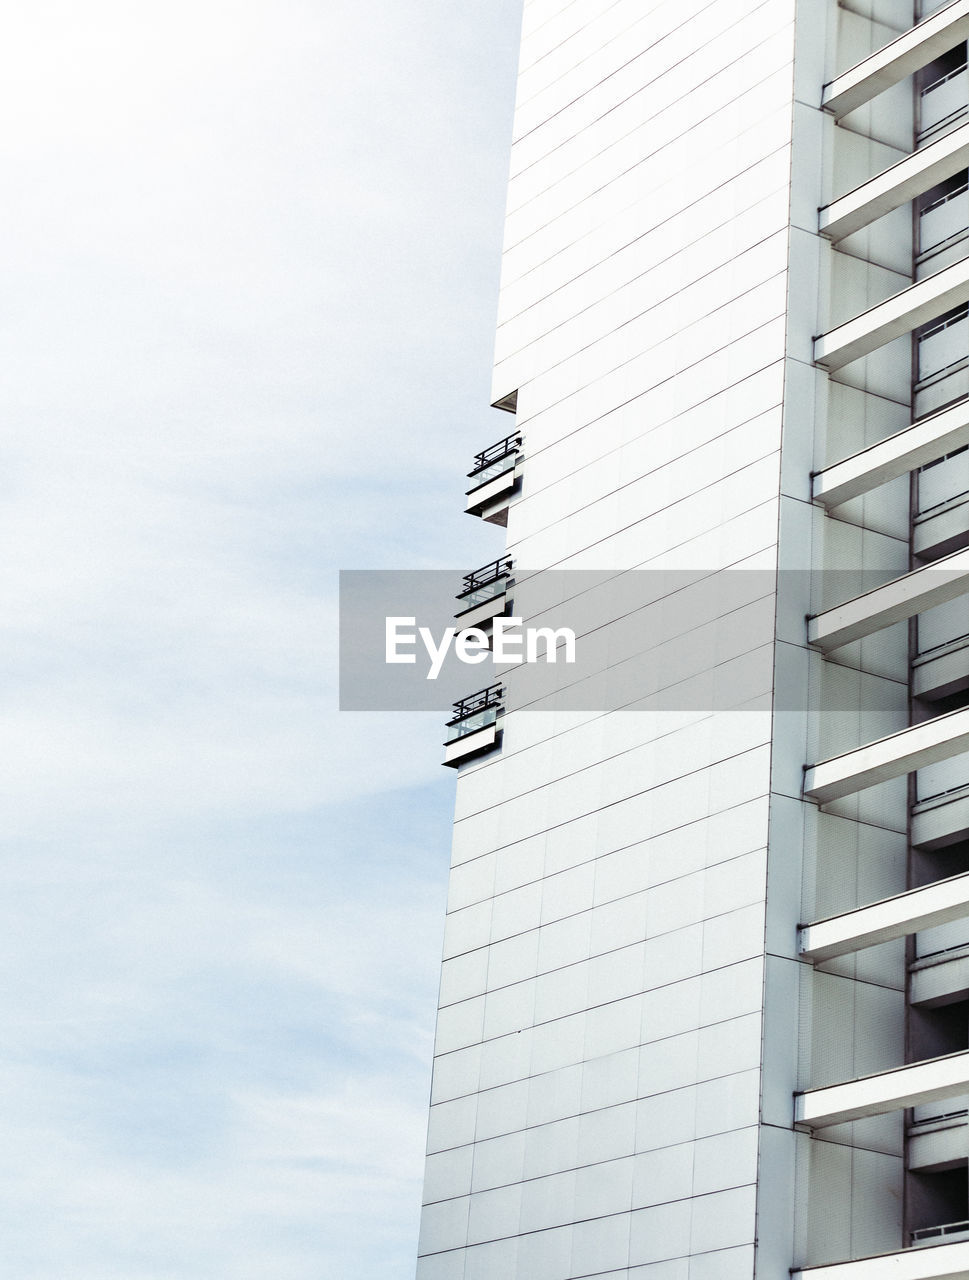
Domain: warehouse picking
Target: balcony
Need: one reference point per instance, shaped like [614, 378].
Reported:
[484, 595]
[941, 977]
[928, 439]
[940, 816]
[931, 1080]
[941, 665]
[929, 39]
[493, 477]
[925, 303]
[946, 1261]
[473, 728]
[920, 745]
[942, 520]
[938, 1139]
[926, 908]
[896, 185]
[943, 226]
[945, 582]
[950, 1232]
[943, 103]
[942, 349]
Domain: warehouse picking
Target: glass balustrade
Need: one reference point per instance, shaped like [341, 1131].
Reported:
[494, 461]
[484, 584]
[475, 712]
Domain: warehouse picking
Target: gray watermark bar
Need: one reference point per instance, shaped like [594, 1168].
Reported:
[582, 640]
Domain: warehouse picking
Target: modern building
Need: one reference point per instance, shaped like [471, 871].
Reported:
[704, 1007]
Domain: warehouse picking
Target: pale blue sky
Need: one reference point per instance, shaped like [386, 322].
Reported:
[252, 267]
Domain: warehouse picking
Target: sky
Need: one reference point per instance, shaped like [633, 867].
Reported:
[252, 261]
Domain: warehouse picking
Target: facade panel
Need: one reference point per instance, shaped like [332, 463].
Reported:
[700, 341]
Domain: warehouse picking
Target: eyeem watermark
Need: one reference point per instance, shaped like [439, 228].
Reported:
[509, 642]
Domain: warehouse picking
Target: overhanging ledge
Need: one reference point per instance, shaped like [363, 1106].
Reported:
[895, 456]
[888, 757]
[897, 59]
[885, 920]
[892, 602]
[935, 1262]
[897, 315]
[895, 186]
[886, 1091]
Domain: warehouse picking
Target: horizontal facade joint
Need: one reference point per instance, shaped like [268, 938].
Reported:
[899, 58]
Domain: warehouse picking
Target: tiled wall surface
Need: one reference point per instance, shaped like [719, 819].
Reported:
[597, 1081]
[625, 1018]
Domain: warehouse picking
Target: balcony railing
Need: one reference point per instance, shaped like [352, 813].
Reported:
[934, 1116]
[943, 362]
[494, 460]
[484, 583]
[476, 711]
[942, 1234]
[944, 221]
[942, 102]
[940, 483]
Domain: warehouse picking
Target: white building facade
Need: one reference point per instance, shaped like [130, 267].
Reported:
[704, 1009]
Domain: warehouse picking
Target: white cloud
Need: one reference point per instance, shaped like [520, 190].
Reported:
[250, 290]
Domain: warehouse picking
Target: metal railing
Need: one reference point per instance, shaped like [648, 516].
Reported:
[924, 1234]
[938, 795]
[475, 712]
[943, 644]
[930, 250]
[933, 506]
[495, 459]
[953, 317]
[961, 1114]
[929, 126]
[484, 583]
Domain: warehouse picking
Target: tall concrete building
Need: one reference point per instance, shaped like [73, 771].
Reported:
[704, 1007]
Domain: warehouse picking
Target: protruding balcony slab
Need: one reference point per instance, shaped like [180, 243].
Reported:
[894, 456]
[896, 185]
[898, 59]
[892, 602]
[473, 728]
[894, 317]
[883, 921]
[470, 745]
[937, 1262]
[889, 757]
[877, 1095]
[493, 478]
[485, 594]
